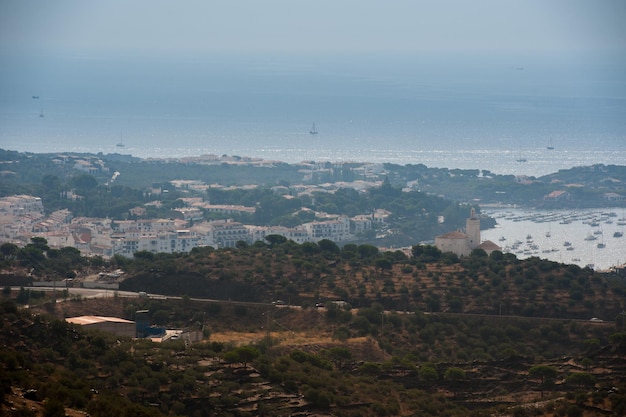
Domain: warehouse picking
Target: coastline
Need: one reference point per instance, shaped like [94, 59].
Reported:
[537, 235]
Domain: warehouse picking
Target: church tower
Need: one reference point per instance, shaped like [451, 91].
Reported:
[472, 230]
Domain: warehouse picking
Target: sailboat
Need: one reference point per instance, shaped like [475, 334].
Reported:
[120, 144]
[313, 130]
[521, 158]
[550, 147]
[41, 113]
[600, 244]
[622, 220]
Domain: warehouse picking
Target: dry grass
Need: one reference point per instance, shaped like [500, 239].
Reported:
[282, 337]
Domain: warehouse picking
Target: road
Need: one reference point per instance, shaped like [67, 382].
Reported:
[103, 293]
[86, 292]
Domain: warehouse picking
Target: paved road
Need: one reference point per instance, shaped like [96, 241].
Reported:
[105, 293]
[85, 292]
[102, 293]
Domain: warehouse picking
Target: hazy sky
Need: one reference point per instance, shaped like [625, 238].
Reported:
[45, 26]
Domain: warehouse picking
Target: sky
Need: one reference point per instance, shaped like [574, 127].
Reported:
[320, 26]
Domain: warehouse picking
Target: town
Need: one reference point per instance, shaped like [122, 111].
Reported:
[107, 205]
[23, 217]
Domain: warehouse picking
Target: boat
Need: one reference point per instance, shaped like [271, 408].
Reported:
[41, 113]
[600, 244]
[35, 97]
[550, 147]
[590, 237]
[120, 144]
[618, 234]
[566, 243]
[313, 130]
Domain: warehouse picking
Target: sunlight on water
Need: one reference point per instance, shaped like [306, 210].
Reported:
[409, 113]
[544, 234]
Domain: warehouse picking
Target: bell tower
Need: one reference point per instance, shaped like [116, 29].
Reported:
[472, 229]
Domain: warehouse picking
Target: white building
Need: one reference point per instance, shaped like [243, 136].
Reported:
[336, 230]
[226, 208]
[258, 233]
[463, 243]
[192, 214]
[226, 233]
[19, 205]
[361, 223]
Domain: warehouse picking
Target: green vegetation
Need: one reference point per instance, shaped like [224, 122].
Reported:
[410, 348]
[359, 332]
[445, 368]
[429, 281]
[489, 187]
[41, 260]
[414, 214]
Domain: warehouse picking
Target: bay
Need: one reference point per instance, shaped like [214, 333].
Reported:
[544, 234]
[469, 112]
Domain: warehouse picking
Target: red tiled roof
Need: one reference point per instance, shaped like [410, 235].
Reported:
[454, 235]
[489, 245]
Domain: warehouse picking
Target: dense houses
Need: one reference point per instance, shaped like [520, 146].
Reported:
[19, 214]
[22, 217]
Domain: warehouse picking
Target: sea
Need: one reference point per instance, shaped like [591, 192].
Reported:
[515, 114]
[594, 238]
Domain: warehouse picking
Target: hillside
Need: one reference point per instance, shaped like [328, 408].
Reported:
[428, 335]
[415, 365]
[432, 281]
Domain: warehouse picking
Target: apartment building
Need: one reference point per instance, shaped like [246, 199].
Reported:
[226, 233]
[298, 234]
[336, 230]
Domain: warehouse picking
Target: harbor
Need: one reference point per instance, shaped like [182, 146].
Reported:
[586, 237]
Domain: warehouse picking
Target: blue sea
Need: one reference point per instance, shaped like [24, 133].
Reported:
[462, 111]
[564, 236]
